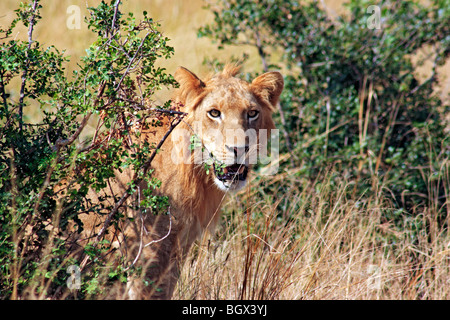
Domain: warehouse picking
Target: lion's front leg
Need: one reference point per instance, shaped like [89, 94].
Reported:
[157, 272]
[157, 252]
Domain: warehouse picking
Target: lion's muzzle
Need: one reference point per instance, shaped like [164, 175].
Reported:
[233, 172]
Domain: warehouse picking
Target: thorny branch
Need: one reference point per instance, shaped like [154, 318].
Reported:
[131, 62]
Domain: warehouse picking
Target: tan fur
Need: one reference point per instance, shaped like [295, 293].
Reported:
[195, 198]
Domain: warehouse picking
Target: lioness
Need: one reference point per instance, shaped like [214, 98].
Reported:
[218, 108]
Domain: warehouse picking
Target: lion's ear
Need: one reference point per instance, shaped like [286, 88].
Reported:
[268, 86]
[191, 87]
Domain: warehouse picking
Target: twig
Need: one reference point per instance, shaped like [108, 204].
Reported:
[31, 22]
[62, 143]
[65, 142]
[143, 107]
[327, 126]
[165, 236]
[261, 52]
[324, 134]
[171, 112]
[390, 124]
[3, 93]
[116, 10]
[131, 61]
[141, 246]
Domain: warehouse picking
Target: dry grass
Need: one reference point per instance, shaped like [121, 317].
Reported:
[319, 245]
[312, 242]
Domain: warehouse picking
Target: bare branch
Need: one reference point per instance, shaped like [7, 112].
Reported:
[131, 62]
[31, 22]
[65, 142]
[3, 92]
[116, 10]
[261, 52]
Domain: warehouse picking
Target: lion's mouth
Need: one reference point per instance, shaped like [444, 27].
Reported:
[233, 172]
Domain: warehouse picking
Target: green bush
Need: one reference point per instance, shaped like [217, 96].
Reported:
[47, 168]
[352, 100]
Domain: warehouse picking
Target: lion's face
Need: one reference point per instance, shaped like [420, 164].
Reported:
[233, 119]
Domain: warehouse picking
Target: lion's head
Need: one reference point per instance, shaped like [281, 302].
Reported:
[231, 118]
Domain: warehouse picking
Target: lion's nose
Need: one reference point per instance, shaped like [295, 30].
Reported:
[239, 152]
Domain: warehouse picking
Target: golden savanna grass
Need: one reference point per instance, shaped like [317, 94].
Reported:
[319, 245]
[313, 241]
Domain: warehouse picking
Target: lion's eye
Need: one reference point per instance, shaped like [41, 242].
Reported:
[214, 113]
[252, 114]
